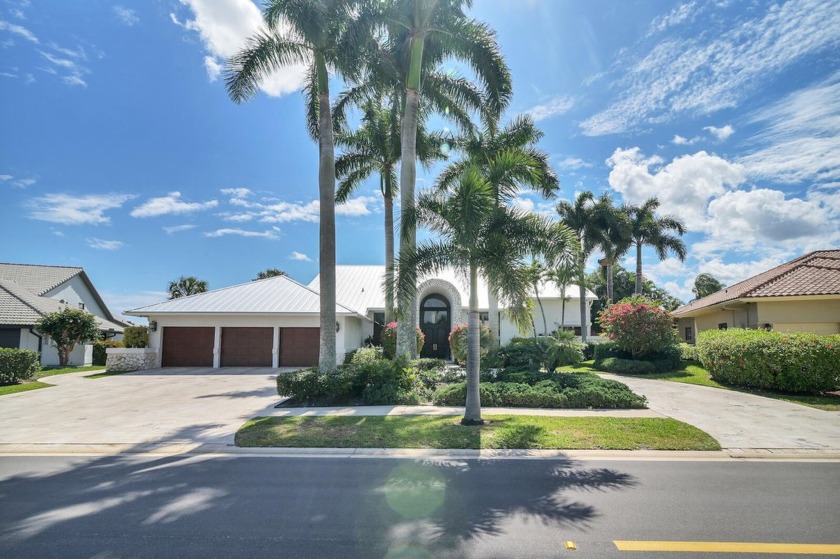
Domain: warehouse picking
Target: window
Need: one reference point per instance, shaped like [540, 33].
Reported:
[689, 334]
[378, 324]
[484, 316]
[82, 306]
[722, 326]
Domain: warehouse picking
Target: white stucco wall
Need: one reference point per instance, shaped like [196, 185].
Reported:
[553, 312]
[74, 292]
[81, 355]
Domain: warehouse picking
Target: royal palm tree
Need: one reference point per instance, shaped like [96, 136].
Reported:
[582, 218]
[425, 33]
[649, 229]
[510, 161]
[474, 237]
[375, 148]
[615, 239]
[536, 274]
[185, 286]
[323, 34]
[562, 274]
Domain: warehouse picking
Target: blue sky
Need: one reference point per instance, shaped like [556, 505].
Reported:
[120, 151]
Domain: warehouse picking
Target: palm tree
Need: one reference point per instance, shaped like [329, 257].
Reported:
[474, 237]
[562, 274]
[184, 286]
[582, 218]
[510, 160]
[425, 33]
[323, 34]
[536, 274]
[269, 273]
[375, 147]
[706, 284]
[648, 229]
[615, 239]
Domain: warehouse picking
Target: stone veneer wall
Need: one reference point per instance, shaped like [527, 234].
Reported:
[130, 359]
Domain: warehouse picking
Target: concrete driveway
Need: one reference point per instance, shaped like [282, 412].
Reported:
[186, 407]
[742, 422]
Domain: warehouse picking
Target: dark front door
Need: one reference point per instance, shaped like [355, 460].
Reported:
[435, 321]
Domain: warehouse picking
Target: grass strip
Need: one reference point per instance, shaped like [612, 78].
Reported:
[52, 371]
[500, 431]
[15, 388]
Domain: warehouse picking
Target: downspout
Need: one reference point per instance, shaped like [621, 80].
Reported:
[40, 339]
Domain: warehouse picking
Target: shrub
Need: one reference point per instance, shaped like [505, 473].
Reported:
[626, 366]
[310, 386]
[18, 364]
[638, 327]
[689, 352]
[605, 350]
[365, 355]
[667, 359]
[790, 362]
[99, 353]
[136, 336]
[389, 340]
[428, 364]
[589, 350]
[544, 352]
[458, 342]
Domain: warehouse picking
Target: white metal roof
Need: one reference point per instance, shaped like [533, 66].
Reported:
[277, 295]
[361, 287]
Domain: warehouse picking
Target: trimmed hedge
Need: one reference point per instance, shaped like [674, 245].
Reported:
[609, 356]
[543, 352]
[621, 366]
[99, 353]
[605, 350]
[136, 336]
[789, 362]
[689, 352]
[545, 390]
[18, 364]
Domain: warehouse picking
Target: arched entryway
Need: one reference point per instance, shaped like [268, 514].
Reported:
[436, 323]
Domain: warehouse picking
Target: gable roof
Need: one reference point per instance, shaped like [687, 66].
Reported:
[37, 280]
[360, 287]
[815, 273]
[275, 295]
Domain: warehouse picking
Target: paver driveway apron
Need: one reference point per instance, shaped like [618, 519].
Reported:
[738, 420]
[141, 409]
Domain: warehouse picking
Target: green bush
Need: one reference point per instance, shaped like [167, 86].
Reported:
[638, 327]
[626, 366]
[365, 355]
[136, 336]
[389, 340]
[605, 350]
[428, 364]
[543, 352]
[458, 342]
[545, 390]
[689, 352]
[667, 359]
[311, 387]
[790, 362]
[99, 353]
[589, 350]
[18, 364]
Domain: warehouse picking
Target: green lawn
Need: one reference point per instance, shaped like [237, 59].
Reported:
[52, 371]
[501, 431]
[15, 388]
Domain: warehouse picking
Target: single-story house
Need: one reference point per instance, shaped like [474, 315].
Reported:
[802, 295]
[28, 292]
[275, 322]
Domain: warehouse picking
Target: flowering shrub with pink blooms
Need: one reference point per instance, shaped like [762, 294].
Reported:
[639, 327]
[389, 340]
[458, 342]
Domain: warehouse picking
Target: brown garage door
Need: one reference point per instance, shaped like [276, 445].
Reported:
[299, 347]
[188, 346]
[247, 347]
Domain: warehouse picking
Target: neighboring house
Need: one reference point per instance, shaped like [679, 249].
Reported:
[802, 295]
[275, 322]
[27, 292]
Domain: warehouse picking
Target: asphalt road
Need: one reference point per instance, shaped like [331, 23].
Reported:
[239, 506]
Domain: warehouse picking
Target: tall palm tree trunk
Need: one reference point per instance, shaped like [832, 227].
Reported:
[472, 410]
[326, 190]
[493, 317]
[610, 289]
[638, 290]
[406, 337]
[563, 308]
[389, 254]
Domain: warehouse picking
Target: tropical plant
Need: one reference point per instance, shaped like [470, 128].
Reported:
[582, 218]
[458, 341]
[269, 273]
[185, 286]
[706, 284]
[510, 161]
[562, 275]
[638, 326]
[615, 239]
[324, 35]
[425, 33]
[389, 340]
[649, 229]
[474, 237]
[66, 328]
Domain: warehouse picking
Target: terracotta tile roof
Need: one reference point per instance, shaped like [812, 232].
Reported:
[38, 279]
[816, 273]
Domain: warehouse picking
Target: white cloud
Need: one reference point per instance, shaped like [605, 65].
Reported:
[282, 212]
[267, 234]
[734, 272]
[676, 16]
[170, 204]
[680, 141]
[236, 192]
[722, 133]
[75, 210]
[359, 206]
[100, 244]
[683, 186]
[299, 256]
[5, 178]
[574, 163]
[178, 228]
[701, 75]
[73, 71]
[239, 218]
[19, 30]
[801, 141]
[126, 15]
[23, 183]
[224, 26]
[556, 106]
